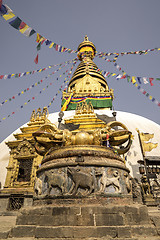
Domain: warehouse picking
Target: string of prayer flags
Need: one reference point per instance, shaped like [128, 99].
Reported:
[145, 80]
[132, 80]
[23, 28]
[34, 97]
[17, 75]
[15, 21]
[140, 52]
[33, 85]
[64, 82]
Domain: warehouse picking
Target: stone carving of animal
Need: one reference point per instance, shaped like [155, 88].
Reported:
[55, 180]
[80, 180]
[106, 181]
[38, 186]
[145, 186]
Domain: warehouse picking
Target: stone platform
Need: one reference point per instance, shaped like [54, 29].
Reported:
[90, 222]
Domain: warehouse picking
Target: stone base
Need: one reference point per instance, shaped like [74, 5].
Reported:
[84, 221]
[101, 199]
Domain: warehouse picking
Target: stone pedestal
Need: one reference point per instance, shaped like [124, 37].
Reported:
[93, 221]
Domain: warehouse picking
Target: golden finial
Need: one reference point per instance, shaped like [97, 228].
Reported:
[86, 38]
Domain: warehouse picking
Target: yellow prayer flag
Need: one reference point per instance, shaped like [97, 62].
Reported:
[158, 49]
[6, 101]
[27, 73]
[24, 29]
[146, 52]
[38, 37]
[8, 16]
[3, 118]
[49, 66]
[40, 70]
[35, 84]
[133, 80]
[22, 92]
[12, 75]
[150, 97]
[51, 45]
[136, 85]
[25, 103]
[113, 74]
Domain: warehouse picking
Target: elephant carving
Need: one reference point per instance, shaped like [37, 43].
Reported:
[80, 180]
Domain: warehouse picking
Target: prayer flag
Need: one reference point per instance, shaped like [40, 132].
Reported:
[22, 25]
[0, 4]
[133, 80]
[145, 80]
[16, 23]
[36, 59]
[151, 80]
[24, 29]
[51, 45]
[138, 78]
[29, 32]
[3, 10]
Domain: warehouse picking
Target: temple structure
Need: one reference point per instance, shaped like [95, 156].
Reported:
[87, 173]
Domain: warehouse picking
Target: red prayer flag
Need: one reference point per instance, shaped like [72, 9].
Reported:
[22, 25]
[1, 76]
[36, 59]
[150, 80]
[124, 76]
[0, 4]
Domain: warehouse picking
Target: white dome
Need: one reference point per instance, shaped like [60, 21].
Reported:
[132, 122]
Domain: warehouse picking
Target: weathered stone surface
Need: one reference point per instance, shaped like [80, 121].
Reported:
[4, 234]
[75, 232]
[54, 232]
[23, 231]
[143, 231]
[65, 210]
[124, 232]
[40, 210]
[109, 219]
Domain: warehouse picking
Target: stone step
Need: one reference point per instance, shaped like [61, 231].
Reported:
[83, 232]
[84, 216]
[104, 238]
[6, 223]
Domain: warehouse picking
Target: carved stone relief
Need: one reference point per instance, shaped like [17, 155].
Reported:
[83, 181]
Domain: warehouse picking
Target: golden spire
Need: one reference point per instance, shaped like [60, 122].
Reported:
[87, 81]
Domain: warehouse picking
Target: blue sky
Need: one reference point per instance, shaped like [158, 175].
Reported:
[112, 25]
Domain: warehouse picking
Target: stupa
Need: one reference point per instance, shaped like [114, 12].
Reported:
[83, 188]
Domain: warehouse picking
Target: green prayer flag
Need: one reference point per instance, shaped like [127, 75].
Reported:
[158, 79]
[128, 79]
[16, 23]
[38, 46]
